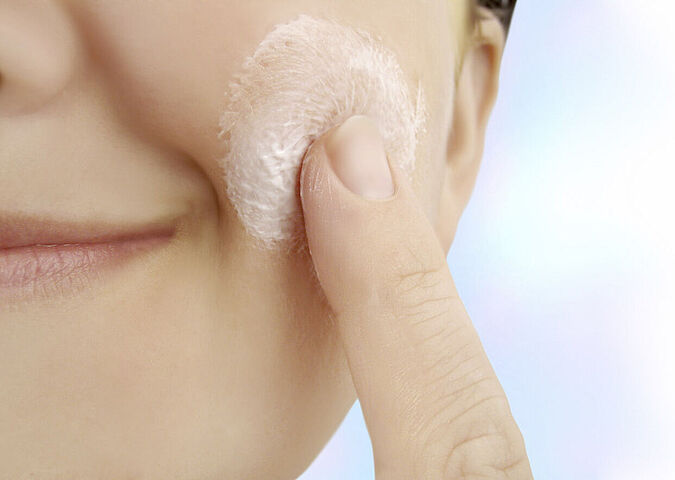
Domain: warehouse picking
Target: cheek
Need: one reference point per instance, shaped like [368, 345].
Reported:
[169, 65]
[166, 65]
[305, 77]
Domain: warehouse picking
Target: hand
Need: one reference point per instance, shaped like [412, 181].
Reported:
[433, 405]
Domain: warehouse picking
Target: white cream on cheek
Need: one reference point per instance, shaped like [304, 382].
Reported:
[305, 77]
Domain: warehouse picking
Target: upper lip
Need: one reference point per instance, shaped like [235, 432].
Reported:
[23, 230]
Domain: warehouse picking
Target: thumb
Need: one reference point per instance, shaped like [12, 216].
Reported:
[432, 403]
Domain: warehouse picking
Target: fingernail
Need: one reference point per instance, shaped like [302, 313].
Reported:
[356, 153]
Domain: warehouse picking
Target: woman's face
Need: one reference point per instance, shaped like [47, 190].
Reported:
[197, 355]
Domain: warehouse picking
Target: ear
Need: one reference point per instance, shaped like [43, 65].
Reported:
[475, 94]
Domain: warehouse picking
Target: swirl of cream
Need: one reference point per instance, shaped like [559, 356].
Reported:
[305, 77]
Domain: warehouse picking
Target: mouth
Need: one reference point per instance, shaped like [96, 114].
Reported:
[38, 255]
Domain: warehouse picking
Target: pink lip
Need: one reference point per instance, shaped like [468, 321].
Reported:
[34, 253]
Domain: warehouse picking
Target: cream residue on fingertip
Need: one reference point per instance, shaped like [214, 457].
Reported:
[305, 77]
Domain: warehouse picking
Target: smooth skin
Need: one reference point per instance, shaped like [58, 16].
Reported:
[206, 358]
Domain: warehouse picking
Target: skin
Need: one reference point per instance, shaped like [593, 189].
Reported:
[206, 358]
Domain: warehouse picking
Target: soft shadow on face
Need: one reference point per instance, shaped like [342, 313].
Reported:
[205, 357]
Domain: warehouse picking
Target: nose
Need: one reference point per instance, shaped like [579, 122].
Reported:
[38, 54]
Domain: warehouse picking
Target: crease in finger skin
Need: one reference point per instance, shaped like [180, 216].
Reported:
[305, 77]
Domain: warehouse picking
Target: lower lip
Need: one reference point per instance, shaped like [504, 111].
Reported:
[35, 267]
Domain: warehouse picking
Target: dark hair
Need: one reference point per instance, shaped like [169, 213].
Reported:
[503, 9]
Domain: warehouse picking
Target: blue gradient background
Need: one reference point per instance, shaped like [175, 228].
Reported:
[564, 257]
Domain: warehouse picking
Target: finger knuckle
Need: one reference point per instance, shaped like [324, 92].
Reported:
[482, 442]
[421, 297]
[419, 280]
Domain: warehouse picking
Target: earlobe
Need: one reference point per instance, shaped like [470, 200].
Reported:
[475, 94]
